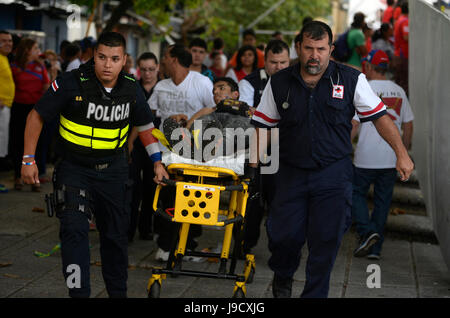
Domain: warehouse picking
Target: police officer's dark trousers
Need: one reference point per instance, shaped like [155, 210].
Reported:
[108, 197]
[312, 206]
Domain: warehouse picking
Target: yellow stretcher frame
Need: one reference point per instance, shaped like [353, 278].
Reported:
[199, 203]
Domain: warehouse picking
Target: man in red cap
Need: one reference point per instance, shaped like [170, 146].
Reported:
[375, 160]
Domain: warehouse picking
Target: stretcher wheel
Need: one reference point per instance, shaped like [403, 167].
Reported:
[239, 293]
[155, 290]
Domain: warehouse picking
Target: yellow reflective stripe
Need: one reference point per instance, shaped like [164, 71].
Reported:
[80, 129]
[101, 144]
[106, 133]
[124, 131]
[122, 142]
[85, 142]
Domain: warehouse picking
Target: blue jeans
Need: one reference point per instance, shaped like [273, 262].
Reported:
[383, 181]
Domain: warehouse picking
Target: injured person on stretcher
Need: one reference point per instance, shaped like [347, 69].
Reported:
[217, 136]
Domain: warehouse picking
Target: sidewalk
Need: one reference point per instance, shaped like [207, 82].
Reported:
[409, 268]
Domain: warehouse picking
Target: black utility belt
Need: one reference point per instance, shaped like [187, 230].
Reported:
[99, 164]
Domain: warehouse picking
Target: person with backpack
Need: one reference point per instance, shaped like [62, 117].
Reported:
[356, 40]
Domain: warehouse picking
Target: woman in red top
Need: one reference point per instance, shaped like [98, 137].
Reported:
[31, 80]
[247, 62]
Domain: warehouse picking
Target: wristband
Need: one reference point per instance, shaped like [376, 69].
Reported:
[28, 156]
[28, 163]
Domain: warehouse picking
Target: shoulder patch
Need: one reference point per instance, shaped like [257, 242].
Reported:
[130, 78]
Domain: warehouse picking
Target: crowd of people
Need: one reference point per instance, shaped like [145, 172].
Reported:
[391, 37]
[192, 81]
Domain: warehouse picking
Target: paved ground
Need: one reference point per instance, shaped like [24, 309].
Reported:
[409, 268]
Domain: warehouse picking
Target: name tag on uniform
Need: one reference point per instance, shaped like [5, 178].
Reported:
[338, 91]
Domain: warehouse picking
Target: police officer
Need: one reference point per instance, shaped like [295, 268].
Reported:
[97, 106]
[312, 103]
[276, 58]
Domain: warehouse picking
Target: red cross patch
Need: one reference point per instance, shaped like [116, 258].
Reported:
[338, 91]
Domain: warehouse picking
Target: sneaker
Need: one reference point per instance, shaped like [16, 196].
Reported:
[365, 244]
[162, 255]
[373, 256]
[281, 287]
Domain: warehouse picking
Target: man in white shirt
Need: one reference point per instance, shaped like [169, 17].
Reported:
[375, 160]
[178, 97]
[276, 57]
[185, 92]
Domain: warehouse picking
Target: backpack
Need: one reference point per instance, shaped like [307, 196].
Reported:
[342, 52]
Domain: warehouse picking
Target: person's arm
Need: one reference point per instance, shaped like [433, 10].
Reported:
[30, 173]
[200, 113]
[355, 127]
[407, 134]
[266, 116]
[387, 129]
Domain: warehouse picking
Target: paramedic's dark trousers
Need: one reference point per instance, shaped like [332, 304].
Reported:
[312, 206]
[109, 200]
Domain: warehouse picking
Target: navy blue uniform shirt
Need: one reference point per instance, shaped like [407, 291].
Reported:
[315, 127]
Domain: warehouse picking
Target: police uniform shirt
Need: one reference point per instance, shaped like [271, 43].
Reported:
[65, 92]
[315, 125]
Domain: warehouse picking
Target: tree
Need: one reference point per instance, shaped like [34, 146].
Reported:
[222, 18]
[215, 18]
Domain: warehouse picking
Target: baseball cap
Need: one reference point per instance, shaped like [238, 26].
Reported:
[378, 58]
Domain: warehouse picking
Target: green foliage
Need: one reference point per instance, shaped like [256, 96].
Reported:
[227, 15]
[222, 18]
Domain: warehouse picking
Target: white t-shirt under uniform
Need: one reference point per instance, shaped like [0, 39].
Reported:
[372, 151]
[191, 95]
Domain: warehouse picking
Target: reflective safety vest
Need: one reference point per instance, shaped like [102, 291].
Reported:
[97, 123]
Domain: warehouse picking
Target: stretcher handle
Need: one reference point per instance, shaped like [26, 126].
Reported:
[163, 214]
[238, 187]
[169, 182]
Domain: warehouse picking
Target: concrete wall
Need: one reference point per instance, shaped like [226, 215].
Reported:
[429, 78]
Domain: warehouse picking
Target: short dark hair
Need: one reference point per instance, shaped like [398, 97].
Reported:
[358, 20]
[231, 82]
[276, 33]
[147, 56]
[404, 7]
[218, 43]
[4, 32]
[112, 39]
[241, 52]
[315, 30]
[199, 43]
[72, 50]
[179, 51]
[390, 2]
[276, 47]
[306, 20]
[249, 32]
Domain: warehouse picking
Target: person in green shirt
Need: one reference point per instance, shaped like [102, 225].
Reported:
[356, 40]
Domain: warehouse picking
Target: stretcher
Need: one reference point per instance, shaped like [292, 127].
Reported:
[198, 201]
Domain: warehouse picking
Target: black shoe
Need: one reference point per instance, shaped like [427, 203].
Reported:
[365, 244]
[281, 287]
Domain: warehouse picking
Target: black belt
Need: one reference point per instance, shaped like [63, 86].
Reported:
[93, 165]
